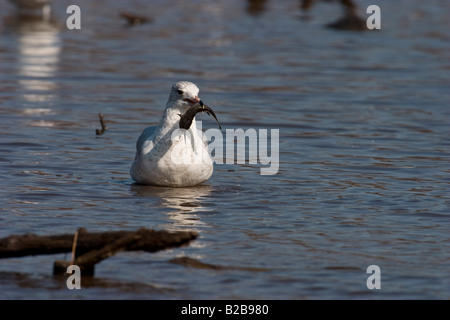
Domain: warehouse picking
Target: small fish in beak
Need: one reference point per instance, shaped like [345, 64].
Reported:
[188, 116]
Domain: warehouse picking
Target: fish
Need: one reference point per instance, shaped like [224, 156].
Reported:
[188, 116]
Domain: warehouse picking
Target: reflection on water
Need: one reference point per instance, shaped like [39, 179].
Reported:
[38, 46]
[39, 49]
[186, 204]
[363, 146]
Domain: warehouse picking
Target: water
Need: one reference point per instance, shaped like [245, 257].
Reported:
[363, 149]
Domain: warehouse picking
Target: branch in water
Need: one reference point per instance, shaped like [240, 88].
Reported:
[102, 123]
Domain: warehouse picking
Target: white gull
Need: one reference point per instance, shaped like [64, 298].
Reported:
[169, 156]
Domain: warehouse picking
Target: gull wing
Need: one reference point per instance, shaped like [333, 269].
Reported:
[147, 134]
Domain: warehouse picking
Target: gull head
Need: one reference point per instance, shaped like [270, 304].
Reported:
[183, 95]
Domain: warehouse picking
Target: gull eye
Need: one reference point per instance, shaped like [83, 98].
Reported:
[179, 92]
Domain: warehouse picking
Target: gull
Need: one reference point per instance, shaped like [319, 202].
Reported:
[175, 153]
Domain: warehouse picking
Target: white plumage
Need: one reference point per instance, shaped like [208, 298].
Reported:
[169, 156]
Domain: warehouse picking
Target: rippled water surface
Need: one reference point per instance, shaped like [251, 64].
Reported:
[363, 121]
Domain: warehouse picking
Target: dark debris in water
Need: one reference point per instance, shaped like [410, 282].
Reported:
[193, 263]
[58, 282]
[133, 19]
[350, 20]
[103, 124]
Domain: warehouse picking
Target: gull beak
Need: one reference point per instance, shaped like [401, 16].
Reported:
[194, 101]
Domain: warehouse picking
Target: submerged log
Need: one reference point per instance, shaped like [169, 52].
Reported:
[143, 239]
[91, 248]
[193, 263]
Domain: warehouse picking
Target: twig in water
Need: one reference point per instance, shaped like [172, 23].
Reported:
[104, 127]
[74, 246]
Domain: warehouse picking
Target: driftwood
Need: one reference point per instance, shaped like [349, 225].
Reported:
[91, 248]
